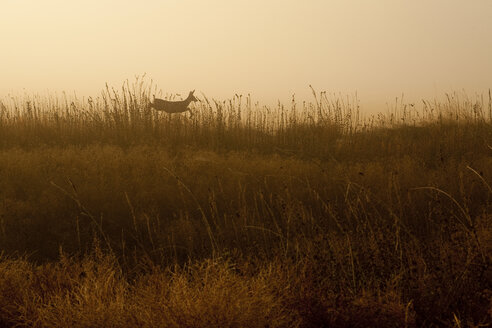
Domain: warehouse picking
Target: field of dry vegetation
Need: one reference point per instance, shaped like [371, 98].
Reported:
[308, 215]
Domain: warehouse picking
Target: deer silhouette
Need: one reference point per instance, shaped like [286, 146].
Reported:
[172, 107]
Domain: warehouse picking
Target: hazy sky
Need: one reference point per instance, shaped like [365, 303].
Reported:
[269, 48]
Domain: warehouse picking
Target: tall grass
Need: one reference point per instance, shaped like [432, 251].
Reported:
[123, 117]
[242, 215]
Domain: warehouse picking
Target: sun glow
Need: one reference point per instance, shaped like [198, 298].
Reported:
[269, 49]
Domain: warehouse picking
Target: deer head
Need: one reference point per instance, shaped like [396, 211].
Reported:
[191, 97]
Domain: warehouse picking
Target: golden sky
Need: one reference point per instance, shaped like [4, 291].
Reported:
[269, 48]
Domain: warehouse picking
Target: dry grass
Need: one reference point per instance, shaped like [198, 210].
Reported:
[242, 216]
[94, 293]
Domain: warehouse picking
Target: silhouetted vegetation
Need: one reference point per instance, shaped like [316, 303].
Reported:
[115, 215]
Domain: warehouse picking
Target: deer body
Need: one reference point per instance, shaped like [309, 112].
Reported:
[172, 107]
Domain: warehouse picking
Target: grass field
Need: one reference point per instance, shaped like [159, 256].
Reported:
[309, 215]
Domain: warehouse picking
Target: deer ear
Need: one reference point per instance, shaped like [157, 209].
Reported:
[193, 91]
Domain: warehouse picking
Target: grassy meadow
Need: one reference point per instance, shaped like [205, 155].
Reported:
[308, 214]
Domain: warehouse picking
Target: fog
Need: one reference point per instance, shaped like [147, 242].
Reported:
[271, 49]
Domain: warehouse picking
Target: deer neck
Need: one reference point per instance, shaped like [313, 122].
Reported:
[187, 101]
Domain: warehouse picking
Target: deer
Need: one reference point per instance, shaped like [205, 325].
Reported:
[172, 107]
